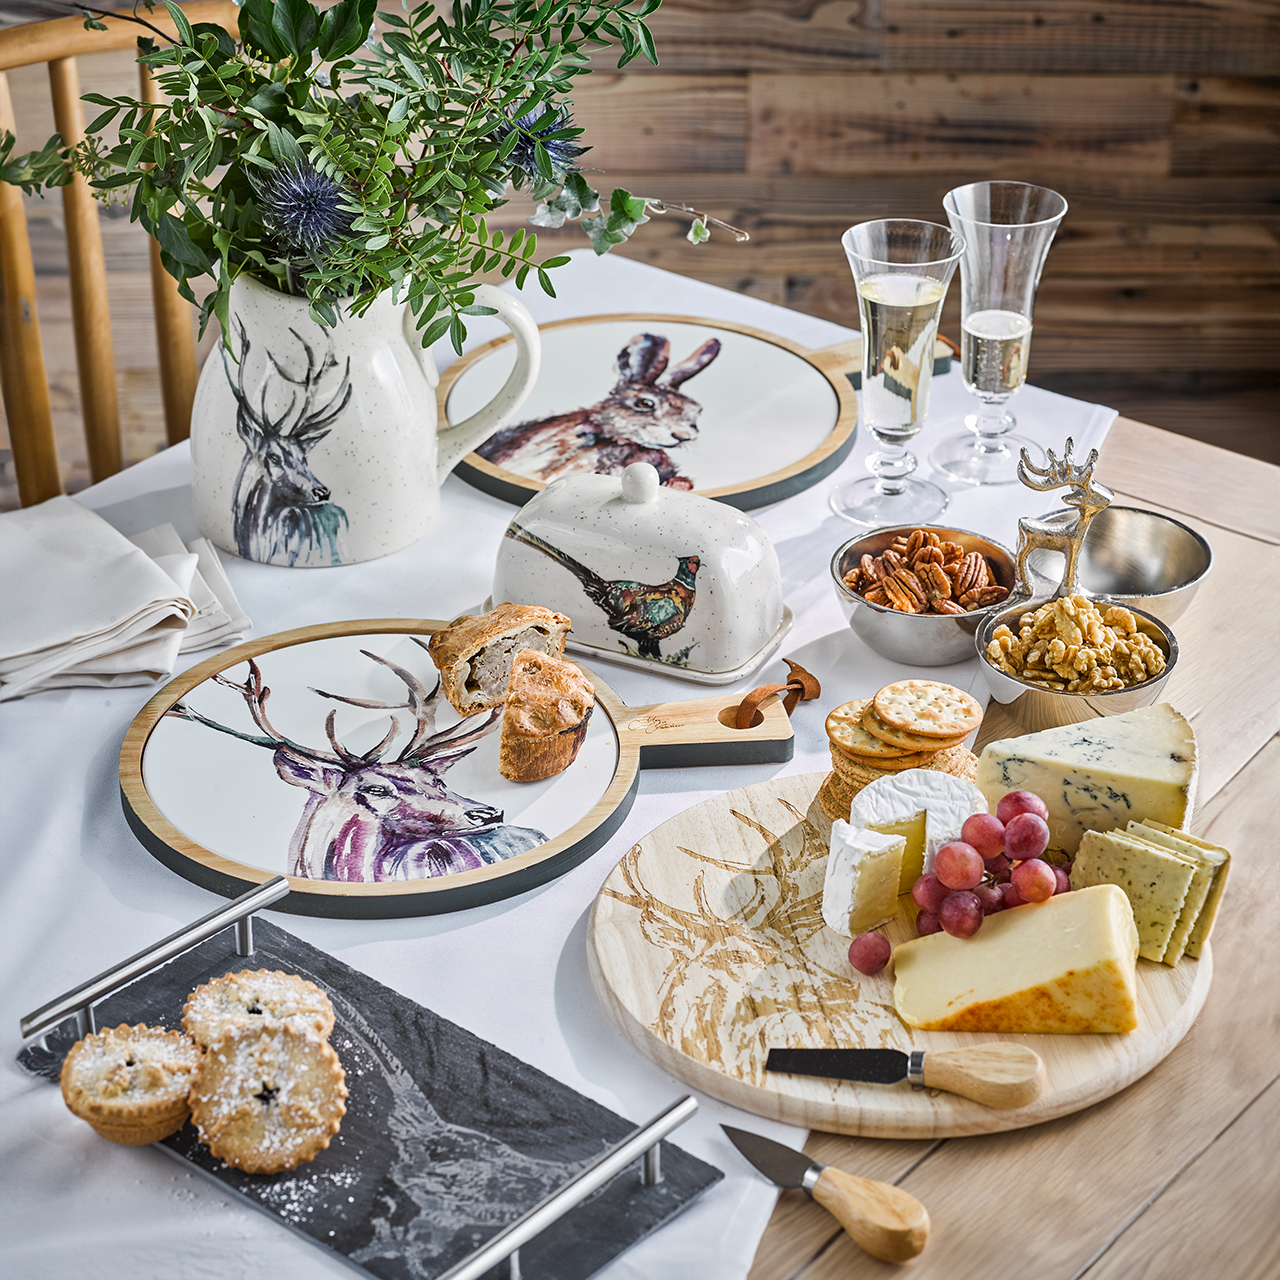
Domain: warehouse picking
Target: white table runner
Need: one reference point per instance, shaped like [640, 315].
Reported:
[79, 893]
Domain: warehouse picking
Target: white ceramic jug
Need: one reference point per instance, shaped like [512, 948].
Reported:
[313, 446]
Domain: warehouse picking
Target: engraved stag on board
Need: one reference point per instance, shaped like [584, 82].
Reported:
[638, 421]
[281, 511]
[1053, 535]
[370, 819]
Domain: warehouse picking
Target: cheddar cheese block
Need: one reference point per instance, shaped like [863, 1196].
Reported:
[1154, 880]
[1098, 775]
[860, 889]
[1058, 967]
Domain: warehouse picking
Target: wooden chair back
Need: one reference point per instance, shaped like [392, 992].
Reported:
[22, 370]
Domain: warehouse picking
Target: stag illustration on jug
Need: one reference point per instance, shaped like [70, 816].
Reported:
[282, 513]
[370, 818]
[644, 416]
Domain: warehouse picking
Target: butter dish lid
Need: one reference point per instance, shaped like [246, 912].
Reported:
[650, 575]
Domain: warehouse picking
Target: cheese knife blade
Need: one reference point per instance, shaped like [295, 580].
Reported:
[1001, 1075]
[870, 1066]
[887, 1222]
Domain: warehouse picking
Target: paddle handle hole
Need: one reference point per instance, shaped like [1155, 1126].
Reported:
[728, 717]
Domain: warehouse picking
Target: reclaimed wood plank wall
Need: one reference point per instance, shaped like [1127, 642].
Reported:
[1159, 120]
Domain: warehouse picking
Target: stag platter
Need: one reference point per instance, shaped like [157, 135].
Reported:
[728, 411]
[327, 754]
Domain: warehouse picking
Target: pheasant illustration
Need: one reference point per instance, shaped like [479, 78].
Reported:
[642, 613]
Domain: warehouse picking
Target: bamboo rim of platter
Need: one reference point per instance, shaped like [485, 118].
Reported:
[831, 362]
[364, 900]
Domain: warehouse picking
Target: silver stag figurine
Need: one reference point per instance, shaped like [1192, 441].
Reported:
[1055, 535]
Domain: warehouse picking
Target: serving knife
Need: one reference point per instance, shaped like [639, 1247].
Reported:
[1000, 1075]
[887, 1222]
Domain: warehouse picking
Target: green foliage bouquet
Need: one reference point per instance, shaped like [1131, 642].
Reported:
[336, 166]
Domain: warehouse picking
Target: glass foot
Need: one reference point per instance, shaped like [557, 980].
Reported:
[984, 459]
[867, 502]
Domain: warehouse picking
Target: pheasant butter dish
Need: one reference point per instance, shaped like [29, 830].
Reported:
[651, 576]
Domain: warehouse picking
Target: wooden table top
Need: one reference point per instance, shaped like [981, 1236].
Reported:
[1177, 1175]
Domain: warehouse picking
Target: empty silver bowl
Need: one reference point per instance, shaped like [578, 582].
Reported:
[1140, 558]
[1033, 707]
[916, 639]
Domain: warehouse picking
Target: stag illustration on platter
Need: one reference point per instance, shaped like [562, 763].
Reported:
[372, 819]
[644, 415]
[1066, 536]
[282, 512]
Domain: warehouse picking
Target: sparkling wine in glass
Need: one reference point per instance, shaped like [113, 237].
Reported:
[902, 269]
[1008, 228]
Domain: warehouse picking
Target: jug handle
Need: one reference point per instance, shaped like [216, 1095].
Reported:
[458, 439]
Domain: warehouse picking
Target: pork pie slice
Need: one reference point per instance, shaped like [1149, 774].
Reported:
[474, 652]
[549, 702]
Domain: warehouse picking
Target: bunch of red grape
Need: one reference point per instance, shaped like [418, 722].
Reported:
[995, 864]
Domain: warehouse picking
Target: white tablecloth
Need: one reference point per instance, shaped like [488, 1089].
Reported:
[79, 893]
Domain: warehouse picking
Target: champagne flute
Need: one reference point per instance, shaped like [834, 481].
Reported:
[902, 269]
[1008, 228]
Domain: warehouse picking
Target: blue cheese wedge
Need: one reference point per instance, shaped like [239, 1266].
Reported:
[1099, 775]
[1060, 967]
[1219, 860]
[861, 886]
[1155, 882]
[925, 808]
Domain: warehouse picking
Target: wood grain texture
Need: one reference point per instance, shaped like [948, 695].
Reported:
[1237, 37]
[1185, 1231]
[95, 353]
[1102, 1167]
[859, 122]
[1194, 479]
[707, 946]
[26, 394]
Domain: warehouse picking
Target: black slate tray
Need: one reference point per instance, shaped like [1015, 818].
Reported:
[446, 1139]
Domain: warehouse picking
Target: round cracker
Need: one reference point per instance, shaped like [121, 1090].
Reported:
[928, 708]
[853, 769]
[834, 805]
[957, 761]
[892, 736]
[847, 732]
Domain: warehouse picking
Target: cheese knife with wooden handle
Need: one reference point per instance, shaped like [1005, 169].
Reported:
[1000, 1075]
[887, 1222]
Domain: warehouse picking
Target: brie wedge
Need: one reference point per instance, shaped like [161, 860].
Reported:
[926, 808]
[861, 886]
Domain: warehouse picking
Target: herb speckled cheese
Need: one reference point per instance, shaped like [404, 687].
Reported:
[1060, 967]
[1099, 775]
[1219, 859]
[1154, 880]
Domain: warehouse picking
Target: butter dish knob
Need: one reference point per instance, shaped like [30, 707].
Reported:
[639, 482]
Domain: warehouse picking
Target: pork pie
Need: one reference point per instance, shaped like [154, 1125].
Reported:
[474, 652]
[548, 705]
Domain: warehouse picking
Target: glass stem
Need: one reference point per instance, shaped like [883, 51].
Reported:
[990, 424]
[891, 464]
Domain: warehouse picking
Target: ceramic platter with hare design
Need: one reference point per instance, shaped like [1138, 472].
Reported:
[731, 412]
[329, 755]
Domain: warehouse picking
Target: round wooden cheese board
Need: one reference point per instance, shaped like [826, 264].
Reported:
[708, 947]
[322, 754]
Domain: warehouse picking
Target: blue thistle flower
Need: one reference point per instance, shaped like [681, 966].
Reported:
[562, 152]
[302, 208]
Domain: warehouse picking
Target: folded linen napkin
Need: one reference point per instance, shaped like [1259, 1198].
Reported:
[80, 604]
[219, 618]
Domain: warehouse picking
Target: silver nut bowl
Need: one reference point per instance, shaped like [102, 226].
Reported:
[916, 639]
[1034, 708]
[1140, 558]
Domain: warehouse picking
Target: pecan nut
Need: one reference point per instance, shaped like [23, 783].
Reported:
[892, 561]
[873, 568]
[946, 606]
[876, 594]
[936, 584]
[981, 597]
[900, 596]
[972, 573]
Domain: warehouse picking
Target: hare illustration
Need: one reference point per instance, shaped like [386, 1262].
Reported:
[638, 421]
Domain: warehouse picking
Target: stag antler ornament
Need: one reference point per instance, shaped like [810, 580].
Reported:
[1066, 536]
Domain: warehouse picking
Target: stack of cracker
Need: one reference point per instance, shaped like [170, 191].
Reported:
[911, 724]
